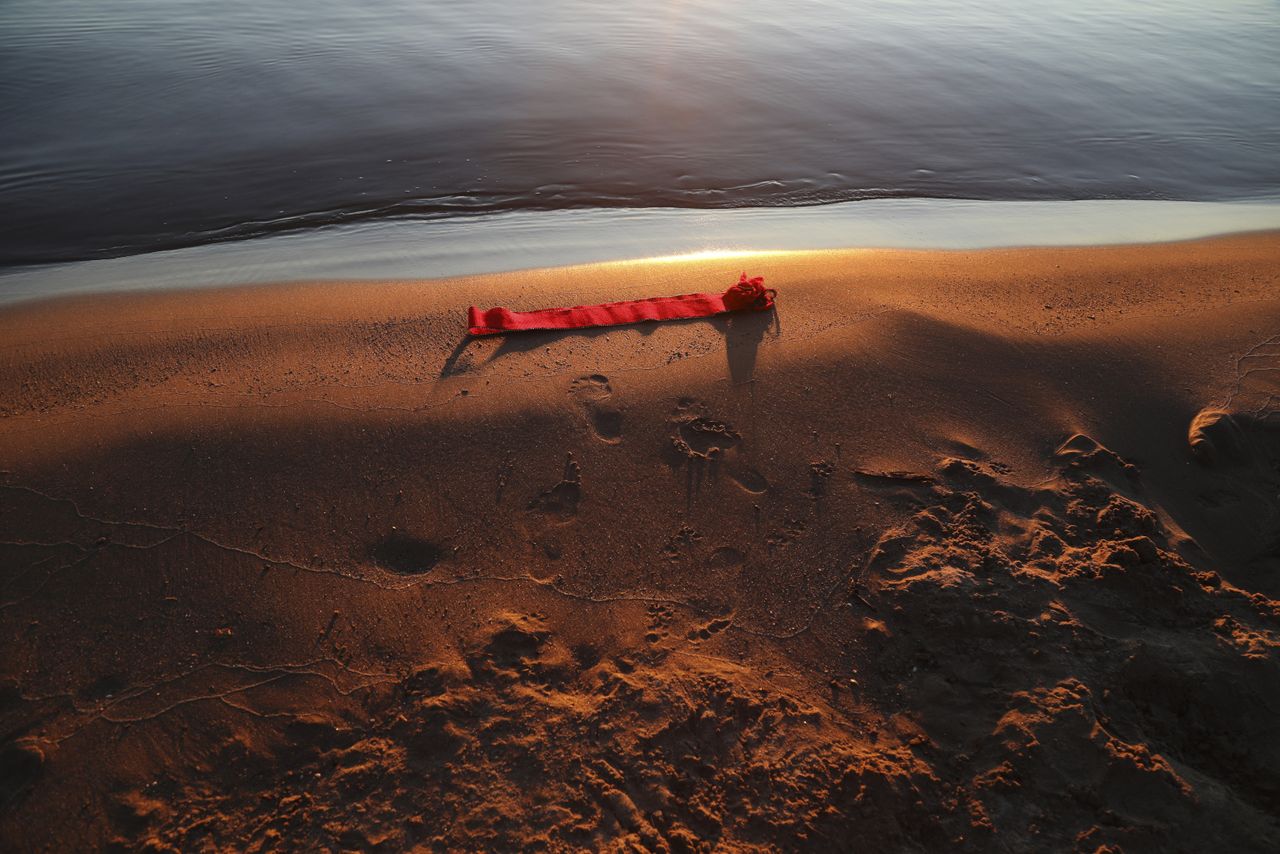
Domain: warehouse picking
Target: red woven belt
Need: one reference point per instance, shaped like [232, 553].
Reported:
[747, 295]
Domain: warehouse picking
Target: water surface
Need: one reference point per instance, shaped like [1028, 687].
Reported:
[135, 125]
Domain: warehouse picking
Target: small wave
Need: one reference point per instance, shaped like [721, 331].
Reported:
[799, 194]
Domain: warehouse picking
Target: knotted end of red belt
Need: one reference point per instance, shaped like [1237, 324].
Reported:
[746, 295]
[749, 294]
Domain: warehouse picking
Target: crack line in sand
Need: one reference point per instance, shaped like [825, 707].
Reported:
[424, 582]
[1242, 373]
[303, 668]
[177, 532]
[278, 672]
[44, 582]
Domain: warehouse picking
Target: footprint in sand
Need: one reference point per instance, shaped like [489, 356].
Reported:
[749, 479]
[592, 394]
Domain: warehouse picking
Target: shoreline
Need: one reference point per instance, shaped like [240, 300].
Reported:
[951, 541]
[508, 242]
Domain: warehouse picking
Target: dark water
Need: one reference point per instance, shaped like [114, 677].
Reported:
[131, 125]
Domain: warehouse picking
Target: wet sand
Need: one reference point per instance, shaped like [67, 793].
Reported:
[956, 550]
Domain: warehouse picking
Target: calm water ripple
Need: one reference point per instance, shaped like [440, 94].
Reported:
[131, 125]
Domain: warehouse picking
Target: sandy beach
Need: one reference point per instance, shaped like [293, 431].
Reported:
[954, 551]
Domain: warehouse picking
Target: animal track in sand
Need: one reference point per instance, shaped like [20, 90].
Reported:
[696, 436]
[681, 544]
[660, 617]
[405, 555]
[714, 627]
[820, 474]
[788, 534]
[592, 394]
[704, 438]
[560, 502]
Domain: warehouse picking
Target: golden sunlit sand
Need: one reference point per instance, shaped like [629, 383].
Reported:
[957, 550]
